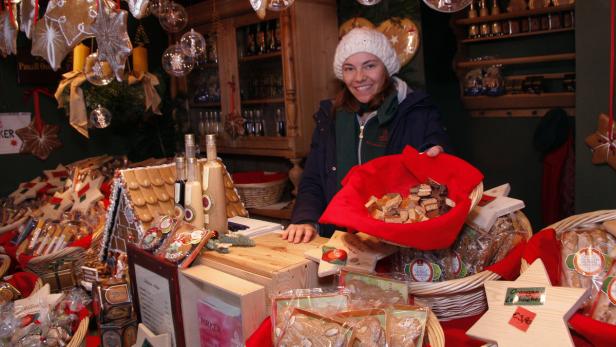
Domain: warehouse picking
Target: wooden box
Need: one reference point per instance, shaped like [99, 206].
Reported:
[112, 300]
[199, 282]
[273, 263]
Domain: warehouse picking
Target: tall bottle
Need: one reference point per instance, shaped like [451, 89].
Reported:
[214, 201]
[189, 146]
[180, 180]
[193, 202]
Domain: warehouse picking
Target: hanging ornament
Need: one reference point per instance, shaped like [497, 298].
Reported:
[100, 117]
[369, 2]
[112, 39]
[259, 6]
[176, 62]
[404, 37]
[193, 43]
[175, 19]
[98, 71]
[138, 8]
[48, 42]
[447, 6]
[8, 33]
[159, 7]
[279, 5]
[27, 11]
[39, 138]
[355, 22]
[74, 18]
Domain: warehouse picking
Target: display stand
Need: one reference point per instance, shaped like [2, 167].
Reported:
[156, 294]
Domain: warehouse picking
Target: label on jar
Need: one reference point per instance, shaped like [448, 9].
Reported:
[587, 261]
[117, 294]
[422, 270]
[609, 288]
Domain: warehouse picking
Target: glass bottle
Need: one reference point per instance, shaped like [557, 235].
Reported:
[251, 40]
[218, 128]
[277, 35]
[270, 38]
[281, 127]
[241, 41]
[261, 38]
[180, 180]
[246, 123]
[189, 146]
[202, 129]
[193, 202]
[214, 201]
[259, 129]
[251, 123]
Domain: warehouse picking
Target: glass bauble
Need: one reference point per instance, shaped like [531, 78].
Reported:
[279, 5]
[159, 7]
[175, 19]
[369, 2]
[98, 72]
[176, 62]
[447, 6]
[193, 43]
[100, 117]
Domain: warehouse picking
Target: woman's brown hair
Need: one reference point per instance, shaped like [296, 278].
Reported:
[345, 99]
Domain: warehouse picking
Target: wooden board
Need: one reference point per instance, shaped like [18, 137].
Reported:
[200, 281]
[273, 263]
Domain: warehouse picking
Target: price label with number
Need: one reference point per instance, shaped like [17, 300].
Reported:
[522, 318]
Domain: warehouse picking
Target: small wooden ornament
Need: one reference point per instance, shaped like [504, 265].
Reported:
[603, 147]
[86, 194]
[540, 321]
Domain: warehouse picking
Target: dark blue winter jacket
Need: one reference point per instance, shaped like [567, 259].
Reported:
[417, 123]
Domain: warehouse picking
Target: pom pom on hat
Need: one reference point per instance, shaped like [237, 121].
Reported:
[366, 40]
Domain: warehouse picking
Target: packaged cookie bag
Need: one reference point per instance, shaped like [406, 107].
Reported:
[184, 244]
[604, 307]
[405, 325]
[314, 300]
[306, 328]
[371, 291]
[368, 327]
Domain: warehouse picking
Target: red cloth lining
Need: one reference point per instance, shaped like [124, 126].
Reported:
[398, 173]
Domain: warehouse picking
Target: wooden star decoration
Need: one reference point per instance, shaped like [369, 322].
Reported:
[86, 194]
[41, 300]
[603, 148]
[113, 42]
[57, 176]
[541, 309]
[40, 145]
[74, 18]
[57, 205]
[48, 42]
[8, 35]
[27, 13]
[27, 190]
[138, 8]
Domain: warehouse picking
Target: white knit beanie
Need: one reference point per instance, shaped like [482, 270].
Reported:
[366, 40]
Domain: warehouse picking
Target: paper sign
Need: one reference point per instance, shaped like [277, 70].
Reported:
[522, 318]
[10, 143]
[525, 296]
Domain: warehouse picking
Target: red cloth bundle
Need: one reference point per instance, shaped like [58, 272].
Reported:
[397, 174]
[546, 246]
[23, 281]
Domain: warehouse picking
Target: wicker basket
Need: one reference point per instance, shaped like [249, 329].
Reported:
[435, 333]
[79, 338]
[462, 297]
[5, 263]
[256, 195]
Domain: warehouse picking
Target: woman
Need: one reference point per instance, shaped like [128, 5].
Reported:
[374, 115]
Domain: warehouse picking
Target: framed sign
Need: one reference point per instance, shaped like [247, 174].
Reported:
[156, 294]
[10, 143]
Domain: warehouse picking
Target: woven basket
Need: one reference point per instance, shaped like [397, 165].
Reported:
[80, 334]
[256, 195]
[5, 263]
[435, 333]
[579, 220]
[461, 297]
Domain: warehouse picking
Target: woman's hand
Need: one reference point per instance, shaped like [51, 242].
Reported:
[297, 233]
[434, 151]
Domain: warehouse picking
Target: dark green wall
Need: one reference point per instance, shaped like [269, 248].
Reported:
[595, 185]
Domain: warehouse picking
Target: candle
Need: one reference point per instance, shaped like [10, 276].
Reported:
[140, 60]
[80, 52]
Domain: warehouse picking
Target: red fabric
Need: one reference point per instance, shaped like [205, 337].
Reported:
[106, 188]
[262, 336]
[509, 267]
[257, 177]
[551, 189]
[93, 341]
[398, 173]
[544, 245]
[23, 281]
[7, 236]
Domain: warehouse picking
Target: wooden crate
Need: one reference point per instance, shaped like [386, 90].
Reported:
[200, 281]
[273, 263]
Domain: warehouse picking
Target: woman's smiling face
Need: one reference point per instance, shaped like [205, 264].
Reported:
[364, 74]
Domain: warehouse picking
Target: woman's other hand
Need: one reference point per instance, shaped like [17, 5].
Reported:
[297, 233]
[434, 151]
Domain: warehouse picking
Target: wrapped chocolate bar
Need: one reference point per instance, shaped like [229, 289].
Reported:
[314, 300]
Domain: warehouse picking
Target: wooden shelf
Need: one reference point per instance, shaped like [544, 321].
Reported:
[513, 36]
[260, 57]
[204, 104]
[519, 101]
[520, 14]
[275, 146]
[519, 60]
[263, 101]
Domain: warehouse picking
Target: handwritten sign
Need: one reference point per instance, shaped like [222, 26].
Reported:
[522, 318]
[10, 143]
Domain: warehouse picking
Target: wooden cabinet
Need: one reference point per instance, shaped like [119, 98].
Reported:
[303, 75]
[535, 49]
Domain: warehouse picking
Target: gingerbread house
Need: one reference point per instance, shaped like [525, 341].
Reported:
[140, 194]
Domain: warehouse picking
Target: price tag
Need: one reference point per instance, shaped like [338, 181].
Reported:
[522, 318]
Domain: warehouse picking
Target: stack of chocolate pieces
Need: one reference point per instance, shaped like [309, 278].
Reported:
[425, 201]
